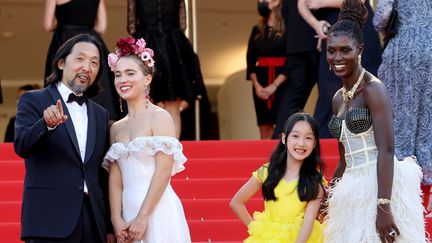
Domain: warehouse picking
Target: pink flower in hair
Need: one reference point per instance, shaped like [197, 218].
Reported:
[150, 63]
[140, 46]
[127, 46]
[149, 51]
[145, 56]
[112, 61]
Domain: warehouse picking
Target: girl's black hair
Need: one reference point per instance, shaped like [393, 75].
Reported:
[352, 17]
[65, 50]
[310, 175]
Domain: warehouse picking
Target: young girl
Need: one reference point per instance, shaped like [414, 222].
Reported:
[292, 187]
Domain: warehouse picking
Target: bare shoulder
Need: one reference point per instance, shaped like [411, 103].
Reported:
[161, 113]
[162, 123]
[116, 127]
[337, 96]
[375, 94]
[120, 123]
[374, 87]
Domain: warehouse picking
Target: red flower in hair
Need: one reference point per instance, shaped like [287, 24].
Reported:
[126, 46]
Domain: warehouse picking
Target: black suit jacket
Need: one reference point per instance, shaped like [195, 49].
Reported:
[55, 173]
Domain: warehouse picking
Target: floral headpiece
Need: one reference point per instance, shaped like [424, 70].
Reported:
[127, 46]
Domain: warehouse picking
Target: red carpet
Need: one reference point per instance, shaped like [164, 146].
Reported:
[215, 170]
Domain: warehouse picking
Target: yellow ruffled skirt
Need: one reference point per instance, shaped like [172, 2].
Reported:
[264, 229]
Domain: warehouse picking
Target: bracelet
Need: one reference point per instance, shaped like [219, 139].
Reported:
[383, 201]
[382, 209]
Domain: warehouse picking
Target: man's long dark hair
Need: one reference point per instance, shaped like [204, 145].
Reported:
[311, 171]
[64, 51]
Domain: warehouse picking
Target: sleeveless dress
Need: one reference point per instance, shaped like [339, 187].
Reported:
[328, 82]
[167, 223]
[352, 203]
[281, 220]
[78, 17]
[406, 71]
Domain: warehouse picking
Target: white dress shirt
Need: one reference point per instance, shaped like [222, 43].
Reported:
[78, 115]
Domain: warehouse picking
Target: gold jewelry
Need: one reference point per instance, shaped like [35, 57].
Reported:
[359, 59]
[347, 96]
[383, 201]
[382, 209]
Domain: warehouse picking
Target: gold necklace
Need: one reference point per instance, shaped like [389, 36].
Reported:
[347, 96]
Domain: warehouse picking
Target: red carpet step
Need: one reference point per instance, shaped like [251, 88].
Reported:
[215, 170]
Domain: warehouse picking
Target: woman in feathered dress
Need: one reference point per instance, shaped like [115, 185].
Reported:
[373, 197]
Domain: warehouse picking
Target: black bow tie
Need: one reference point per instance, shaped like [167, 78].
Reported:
[78, 99]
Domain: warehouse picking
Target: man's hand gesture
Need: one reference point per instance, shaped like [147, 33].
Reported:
[54, 116]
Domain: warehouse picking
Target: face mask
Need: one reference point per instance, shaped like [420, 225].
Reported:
[263, 9]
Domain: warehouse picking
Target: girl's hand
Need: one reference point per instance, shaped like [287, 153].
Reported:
[138, 227]
[387, 229]
[121, 230]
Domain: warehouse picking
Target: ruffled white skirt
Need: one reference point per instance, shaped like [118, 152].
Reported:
[352, 205]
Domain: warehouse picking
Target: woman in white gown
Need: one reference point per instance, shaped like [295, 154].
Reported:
[143, 156]
[373, 197]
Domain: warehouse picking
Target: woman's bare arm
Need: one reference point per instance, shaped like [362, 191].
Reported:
[101, 19]
[49, 20]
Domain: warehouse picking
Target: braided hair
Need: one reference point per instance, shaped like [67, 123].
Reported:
[351, 20]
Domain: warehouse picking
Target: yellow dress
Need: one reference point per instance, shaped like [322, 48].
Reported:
[281, 220]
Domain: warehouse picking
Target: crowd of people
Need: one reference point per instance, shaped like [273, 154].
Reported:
[107, 155]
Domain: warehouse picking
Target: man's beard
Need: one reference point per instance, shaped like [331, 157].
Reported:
[77, 88]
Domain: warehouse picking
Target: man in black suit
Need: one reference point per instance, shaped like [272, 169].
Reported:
[63, 137]
[302, 64]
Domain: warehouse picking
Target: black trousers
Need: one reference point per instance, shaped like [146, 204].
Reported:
[85, 232]
[302, 76]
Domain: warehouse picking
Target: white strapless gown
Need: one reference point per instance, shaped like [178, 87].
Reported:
[167, 223]
[352, 203]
